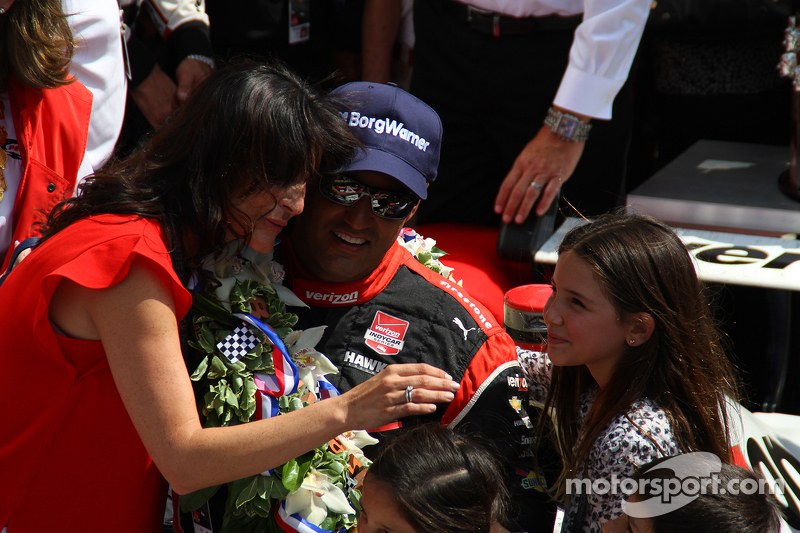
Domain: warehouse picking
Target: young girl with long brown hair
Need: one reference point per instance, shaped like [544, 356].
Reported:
[634, 368]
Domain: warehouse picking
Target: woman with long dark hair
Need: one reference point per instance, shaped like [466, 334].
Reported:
[97, 401]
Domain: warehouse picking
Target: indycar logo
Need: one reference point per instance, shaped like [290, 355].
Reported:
[386, 334]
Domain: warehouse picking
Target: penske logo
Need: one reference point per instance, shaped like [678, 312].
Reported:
[386, 334]
[332, 297]
[385, 126]
[356, 360]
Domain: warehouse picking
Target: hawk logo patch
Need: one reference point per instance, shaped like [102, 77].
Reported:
[386, 334]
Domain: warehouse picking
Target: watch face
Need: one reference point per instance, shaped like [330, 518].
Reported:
[571, 128]
[566, 127]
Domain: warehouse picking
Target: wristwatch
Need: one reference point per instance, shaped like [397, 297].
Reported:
[567, 126]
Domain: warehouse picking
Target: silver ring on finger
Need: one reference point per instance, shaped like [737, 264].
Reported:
[536, 186]
[409, 391]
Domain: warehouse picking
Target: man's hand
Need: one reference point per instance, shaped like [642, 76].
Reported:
[189, 73]
[155, 97]
[547, 160]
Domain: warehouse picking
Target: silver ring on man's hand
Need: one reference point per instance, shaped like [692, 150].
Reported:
[536, 186]
[409, 390]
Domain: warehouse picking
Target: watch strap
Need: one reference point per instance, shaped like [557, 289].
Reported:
[567, 126]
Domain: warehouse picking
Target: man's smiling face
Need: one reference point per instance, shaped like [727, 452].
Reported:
[339, 243]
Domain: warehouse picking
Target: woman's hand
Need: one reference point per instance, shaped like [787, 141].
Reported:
[382, 399]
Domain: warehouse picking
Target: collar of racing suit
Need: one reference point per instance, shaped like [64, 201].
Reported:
[318, 293]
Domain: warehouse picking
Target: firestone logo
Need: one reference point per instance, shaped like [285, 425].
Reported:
[455, 290]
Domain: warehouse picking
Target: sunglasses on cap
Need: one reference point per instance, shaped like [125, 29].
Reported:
[346, 190]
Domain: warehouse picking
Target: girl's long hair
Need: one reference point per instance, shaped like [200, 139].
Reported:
[36, 44]
[246, 128]
[643, 267]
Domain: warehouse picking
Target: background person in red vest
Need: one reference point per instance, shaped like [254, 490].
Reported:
[44, 118]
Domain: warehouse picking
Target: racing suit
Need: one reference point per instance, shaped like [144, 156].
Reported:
[405, 313]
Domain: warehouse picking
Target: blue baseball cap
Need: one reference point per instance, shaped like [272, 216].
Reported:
[401, 134]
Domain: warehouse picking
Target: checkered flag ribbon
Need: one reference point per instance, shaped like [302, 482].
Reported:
[236, 345]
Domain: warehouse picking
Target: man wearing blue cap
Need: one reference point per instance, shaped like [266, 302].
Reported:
[380, 305]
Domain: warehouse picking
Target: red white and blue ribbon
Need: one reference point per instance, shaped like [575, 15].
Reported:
[270, 387]
[326, 389]
[286, 375]
[295, 523]
[408, 234]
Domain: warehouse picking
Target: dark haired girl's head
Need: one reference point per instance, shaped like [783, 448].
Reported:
[642, 266]
[644, 269]
[247, 128]
[435, 479]
[744, 505]
[646, 273]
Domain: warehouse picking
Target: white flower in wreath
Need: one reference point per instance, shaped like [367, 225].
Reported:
[421, 247]
[354, 441]
[311, 364]
[315, 497]
[240, 263]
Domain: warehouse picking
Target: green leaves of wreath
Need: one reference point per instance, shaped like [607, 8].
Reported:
[226, 396]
